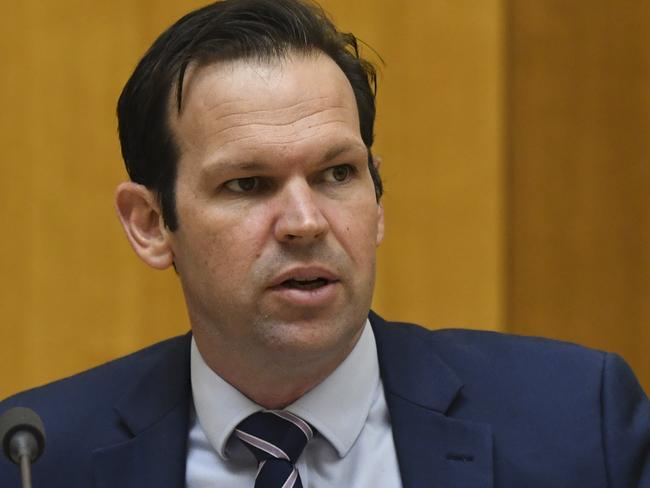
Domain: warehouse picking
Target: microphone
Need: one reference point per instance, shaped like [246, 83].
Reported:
[23, 439]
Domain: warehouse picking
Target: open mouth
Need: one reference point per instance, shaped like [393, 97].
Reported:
[308, 284]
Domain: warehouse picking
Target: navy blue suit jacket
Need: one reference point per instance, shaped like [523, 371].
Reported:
[468, 409]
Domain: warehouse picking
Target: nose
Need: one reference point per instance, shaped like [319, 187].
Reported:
[300, 219]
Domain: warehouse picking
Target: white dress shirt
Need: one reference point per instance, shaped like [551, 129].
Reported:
[354, 445]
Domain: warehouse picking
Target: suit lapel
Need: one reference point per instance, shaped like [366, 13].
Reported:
[434, 449]
[155, 415]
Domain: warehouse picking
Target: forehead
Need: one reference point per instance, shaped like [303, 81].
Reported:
[252, 105]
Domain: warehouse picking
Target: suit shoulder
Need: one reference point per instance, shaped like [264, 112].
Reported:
[102, 383]
[82, 413]
[494, 358]
[491, 344]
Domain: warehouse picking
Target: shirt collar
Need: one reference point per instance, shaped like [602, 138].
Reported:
[337, 407]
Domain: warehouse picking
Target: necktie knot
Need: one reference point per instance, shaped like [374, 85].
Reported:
[276, 439]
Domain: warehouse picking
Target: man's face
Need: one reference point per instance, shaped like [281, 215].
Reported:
[278, 221]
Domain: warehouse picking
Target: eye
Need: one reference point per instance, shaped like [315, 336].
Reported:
[339, 173]
[243, 185]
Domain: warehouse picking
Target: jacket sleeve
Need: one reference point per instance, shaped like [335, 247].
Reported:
[625, 426]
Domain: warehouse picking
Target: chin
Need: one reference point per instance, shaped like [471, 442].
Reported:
[312, 336]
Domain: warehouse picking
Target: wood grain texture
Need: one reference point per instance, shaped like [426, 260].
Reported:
[73, 294]
[579, 179]
[440, 136]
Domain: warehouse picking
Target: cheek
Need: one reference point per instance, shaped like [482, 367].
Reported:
[236, 247]
[356, 230]
[220, 244]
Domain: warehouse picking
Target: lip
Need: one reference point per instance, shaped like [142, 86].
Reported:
[304, 273]
[318, 297]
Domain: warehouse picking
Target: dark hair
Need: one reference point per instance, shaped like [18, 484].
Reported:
[226, 30]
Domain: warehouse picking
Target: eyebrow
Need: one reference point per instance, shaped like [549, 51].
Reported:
[227, 165]
[255, 166]
[339, 149]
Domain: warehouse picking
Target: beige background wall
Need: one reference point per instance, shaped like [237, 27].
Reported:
[493, 205]
[579, 174]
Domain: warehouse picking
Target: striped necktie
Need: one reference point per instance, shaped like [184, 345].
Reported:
[277, 439]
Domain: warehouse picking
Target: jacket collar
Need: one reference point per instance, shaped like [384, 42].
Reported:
[155, 414]
[409, 367]
[434, 449]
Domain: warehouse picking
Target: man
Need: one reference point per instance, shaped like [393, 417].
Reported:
[247, 131]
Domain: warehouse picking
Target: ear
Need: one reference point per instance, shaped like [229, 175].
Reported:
[376, 161]
[380, 223]
[141, 218]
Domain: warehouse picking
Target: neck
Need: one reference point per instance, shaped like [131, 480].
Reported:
[273, 380]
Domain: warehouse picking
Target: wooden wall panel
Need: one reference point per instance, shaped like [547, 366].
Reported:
[579, 159]
[440, 136]
[74, 295]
